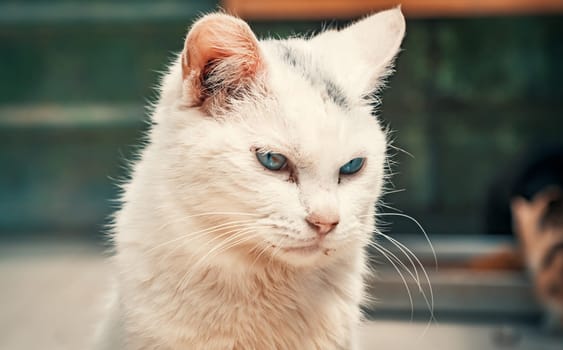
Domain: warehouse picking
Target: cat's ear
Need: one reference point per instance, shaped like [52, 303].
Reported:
[364, 51]
[221, 57]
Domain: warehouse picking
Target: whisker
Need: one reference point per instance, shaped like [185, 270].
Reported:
[218, 249]
[262, 251]
[399, 190]
[386, 206]
[419, 226]
[401, 263]
[404, 249]
[377, 247]
[183, 218]
[221, 213]
[206, 230]
[223, 234]
[277, 250]
[400, 150]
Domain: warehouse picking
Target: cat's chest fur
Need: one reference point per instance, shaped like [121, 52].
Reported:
[271, 309]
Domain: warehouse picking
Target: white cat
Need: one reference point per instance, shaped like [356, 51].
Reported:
[246, 218]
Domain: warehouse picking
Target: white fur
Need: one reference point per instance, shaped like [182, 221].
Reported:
[182, 282]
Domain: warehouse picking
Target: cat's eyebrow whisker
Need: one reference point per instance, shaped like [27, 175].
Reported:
[378, 248]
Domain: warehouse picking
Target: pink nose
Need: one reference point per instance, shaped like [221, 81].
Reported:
[323, 225]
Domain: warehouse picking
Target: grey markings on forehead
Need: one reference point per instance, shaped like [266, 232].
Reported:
[304, 64]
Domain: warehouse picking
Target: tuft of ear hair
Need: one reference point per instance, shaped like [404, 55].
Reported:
[221, 58]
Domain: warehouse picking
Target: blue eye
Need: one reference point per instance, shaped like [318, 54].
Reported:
[352, 166]
[272, 161]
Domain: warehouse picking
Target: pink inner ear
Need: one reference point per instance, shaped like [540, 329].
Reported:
[216, 38]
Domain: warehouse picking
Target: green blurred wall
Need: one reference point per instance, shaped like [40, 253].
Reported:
[468, 97]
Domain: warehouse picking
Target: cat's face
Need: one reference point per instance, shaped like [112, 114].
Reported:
[277, 138]
[540, 230]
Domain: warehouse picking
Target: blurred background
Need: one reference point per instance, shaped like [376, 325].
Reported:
[478, 86]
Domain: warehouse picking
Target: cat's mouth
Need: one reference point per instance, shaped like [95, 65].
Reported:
[305, 249]
[310, 249]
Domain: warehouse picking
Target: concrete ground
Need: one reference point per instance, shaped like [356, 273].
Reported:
[50, 297]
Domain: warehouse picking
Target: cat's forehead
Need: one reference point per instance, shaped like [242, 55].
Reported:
[295, 59]
[303, 88]
[314, 111]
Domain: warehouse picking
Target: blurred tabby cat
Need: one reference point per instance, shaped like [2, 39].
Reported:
[532, 209]
[246, 218]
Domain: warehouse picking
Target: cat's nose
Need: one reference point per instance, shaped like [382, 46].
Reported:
[322, 224]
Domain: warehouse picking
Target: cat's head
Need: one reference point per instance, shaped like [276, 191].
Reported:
[538, 224]
[273, 143]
